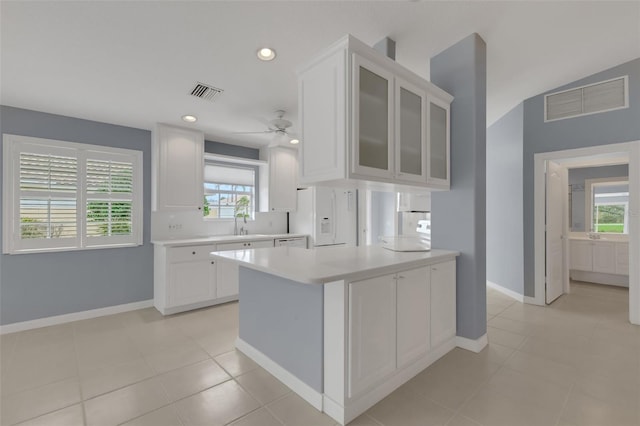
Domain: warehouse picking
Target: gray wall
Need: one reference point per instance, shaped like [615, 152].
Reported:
[504, 201]
[591, 130]
[283, 319]
[213, 147]
[46, 284]
[458, 216]
[577, 189]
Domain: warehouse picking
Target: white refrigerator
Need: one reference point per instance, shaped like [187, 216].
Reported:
[327, 215]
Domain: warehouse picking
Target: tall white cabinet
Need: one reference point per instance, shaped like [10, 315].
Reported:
[177, 163]
[364, 117]
[283, 179]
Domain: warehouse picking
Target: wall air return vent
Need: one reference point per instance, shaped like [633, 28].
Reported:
[205, 91]
[604, 96]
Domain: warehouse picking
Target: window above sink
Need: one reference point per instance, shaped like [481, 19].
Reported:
[607, 206]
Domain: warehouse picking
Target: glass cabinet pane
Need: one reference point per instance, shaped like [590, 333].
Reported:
[438, 142]
[374, 120]
[410, 132]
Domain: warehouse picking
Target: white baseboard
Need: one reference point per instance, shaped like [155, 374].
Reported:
[74, 316]
[512, 294]
[472, 345]
[305, 391]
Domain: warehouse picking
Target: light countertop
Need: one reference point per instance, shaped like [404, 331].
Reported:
[214, 239]
[332, 263]
[609, 238]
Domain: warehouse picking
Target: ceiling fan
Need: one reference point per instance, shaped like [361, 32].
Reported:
[279, 126]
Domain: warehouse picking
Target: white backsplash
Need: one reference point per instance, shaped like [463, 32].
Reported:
[165, 225]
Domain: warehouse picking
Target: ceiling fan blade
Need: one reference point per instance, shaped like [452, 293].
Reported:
[252, 133]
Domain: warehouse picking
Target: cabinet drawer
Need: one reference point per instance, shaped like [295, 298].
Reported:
[245, 245]
[190, 253]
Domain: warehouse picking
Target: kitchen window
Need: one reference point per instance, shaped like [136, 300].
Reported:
[229, 190]
[61, 196]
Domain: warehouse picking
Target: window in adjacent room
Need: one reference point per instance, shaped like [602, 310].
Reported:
[609, 205]
[69, 196]
[228, 188]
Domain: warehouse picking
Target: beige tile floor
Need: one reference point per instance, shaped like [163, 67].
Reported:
[574, 363]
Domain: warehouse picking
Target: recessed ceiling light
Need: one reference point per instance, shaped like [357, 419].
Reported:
[266, 54]
[189, 118]
[294, 141]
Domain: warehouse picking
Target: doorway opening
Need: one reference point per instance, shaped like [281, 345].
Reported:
[610, 216]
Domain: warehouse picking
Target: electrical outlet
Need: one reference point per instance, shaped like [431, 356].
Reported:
[175, 226]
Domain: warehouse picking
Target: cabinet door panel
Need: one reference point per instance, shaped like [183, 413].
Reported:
[622, 258]
[443, 302]
[581, 255]
[191, 282]
[227, 278]
[438, 151]
[372, 332]
[410, 140]
[604, 257]
[179, 168]
[283, 177]
[413, 315]
[373, 118]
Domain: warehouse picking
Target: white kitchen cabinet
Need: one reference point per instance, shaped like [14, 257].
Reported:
[607, 257]
[411, 135]
[413, 315]
[622, 258]
[364, 117]
[581, 255]
[395, 321]
[227, 278]
[372, 332]
[228, 271]
[191, 282]
[443, 303]
[604, 257]
[373, 119]
[439, 145]
[184, 278]
[412, 202]
[177, 163]
[283, 179]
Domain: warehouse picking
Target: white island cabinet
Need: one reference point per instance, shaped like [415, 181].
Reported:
[366, 118]
[345, 326]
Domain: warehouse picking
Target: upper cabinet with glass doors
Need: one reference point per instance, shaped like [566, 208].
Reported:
[365, 118]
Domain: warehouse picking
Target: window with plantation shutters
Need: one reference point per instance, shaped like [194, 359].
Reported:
[69, 196]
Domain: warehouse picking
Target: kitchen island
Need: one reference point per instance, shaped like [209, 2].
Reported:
[345, 326]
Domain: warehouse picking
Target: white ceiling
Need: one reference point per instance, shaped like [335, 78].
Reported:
[133, 63]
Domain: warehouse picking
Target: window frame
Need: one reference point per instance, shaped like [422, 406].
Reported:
[12, 243]
[239, 164]
[590, 206]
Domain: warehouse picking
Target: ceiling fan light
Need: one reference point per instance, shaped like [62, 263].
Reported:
[266, 54]
[189, 118]
[294, 141]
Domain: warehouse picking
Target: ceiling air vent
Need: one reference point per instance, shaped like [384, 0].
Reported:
[590, 99]
[206, 92]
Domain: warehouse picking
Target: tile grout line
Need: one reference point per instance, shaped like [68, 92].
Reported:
[481, 385]
[566, 401]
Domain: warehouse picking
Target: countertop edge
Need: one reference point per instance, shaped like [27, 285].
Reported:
[442, 256]
[222, 239]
